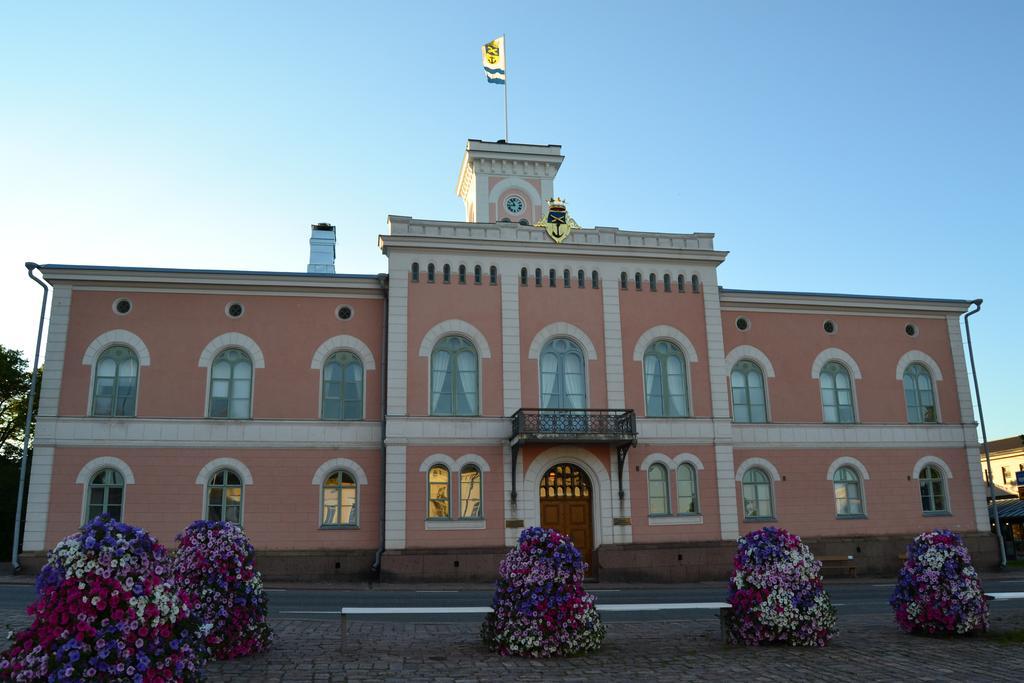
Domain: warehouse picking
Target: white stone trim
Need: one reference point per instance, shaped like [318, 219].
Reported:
[981, 518]
[931, 460]
[613, 366]
[675, 520]
[454, 327]
[511, 377]
[90, 469]
[398, 339]
[921, 357]
[210, 468]
[511, 183]
[452, 464]
[38, 503]
[112, 338]
[727, 505]
[835, 354]
[963, 387]
[665, 332]
[229, 340]
[561, 329]
[751, 353]
[604, 498]
[395, 509]
[718, 373]
[454, 524]
[672, 463]
[848, 461]
[343, 342]
[751, 463]
[56, 343]
[841, 436]
[336, 464]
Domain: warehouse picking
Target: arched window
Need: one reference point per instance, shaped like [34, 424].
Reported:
[695, 284]
[665, 380]
[551, 277]
[757, 495]
[917, 388]
[415, 272]
[581, 279]
[470, 493]
[438, 493]
[343, 387]
[477, 274]
[654, 282]
[933, 490]
[447, 273]
[638, 280]
[106, 495]
[836, 393]
[494, 275]
[563, 382]
[454, 384]
[430, 272]
[566, 278]
[849, 497]
[114, 386]
[340, 496]
[657, 490]
[593, 279]
[668, 282]
[523, 276]
[231, 385]
[686, 490]
[681, 285]
[224, 497]
[623, 280]
[748, 404]
[538, 277]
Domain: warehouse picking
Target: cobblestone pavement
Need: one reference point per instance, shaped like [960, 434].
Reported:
[868, 648]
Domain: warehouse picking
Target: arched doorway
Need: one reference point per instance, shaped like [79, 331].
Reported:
[565, 505]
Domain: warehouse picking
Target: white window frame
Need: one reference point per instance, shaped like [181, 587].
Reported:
[92, 468]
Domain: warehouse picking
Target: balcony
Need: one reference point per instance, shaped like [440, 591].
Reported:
[573, 426]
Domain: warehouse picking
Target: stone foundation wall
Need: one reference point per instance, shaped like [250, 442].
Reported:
[454, 565]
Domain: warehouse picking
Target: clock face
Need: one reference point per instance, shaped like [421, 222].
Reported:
[514, 204]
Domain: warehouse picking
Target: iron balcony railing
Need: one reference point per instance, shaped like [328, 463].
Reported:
[611, 426]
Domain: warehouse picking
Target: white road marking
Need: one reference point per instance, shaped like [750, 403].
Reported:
[437, 591]
[308, 612]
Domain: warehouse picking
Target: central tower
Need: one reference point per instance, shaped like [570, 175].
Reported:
[499, 181]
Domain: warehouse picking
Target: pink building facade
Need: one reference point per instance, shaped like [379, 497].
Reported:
[412, 423]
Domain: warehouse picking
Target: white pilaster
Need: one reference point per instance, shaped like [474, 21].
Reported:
[398, 339]
[716, 347]
[511, 374]
[963, 385]
[620, 533]
[56, 341]
[38, 499]
[727, 512]
[395, 499]
[613, 345]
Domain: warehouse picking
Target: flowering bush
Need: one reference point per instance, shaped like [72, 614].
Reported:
[107, 609]
[214, 562]
[938, 590]
[776, 592]
[540, 607]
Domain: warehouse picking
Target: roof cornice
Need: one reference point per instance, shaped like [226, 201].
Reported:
[852, 303]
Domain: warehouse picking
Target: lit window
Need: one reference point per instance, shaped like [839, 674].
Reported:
[917, 388]
[470, 493]
[686, 490]
[757, 495]
[665, 381]
[453, 378]
[849, 497]
[657, 490]
[563, 384]
[748, 404]
[836, 393]
[438, 496]
[224, 497]
[106, 495]
[933, 490]
[340, 496]
[114, 386]
[231, 385]
[343, 387]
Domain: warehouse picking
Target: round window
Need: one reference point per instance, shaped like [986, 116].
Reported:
[514, 204]
[344, 312]
[122, 306]
[742, 324]
[235, 310]
[911, 330]
[829, 327]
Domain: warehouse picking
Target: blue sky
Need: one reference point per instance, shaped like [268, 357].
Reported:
[860, 147]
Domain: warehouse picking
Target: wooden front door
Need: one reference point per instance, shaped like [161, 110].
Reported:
[565, 506]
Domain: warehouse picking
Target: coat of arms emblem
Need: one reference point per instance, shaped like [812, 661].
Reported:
[557, 222]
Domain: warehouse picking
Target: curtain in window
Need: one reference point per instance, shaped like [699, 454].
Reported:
[917, 388]
[574, 389]
[114, 384]
[548, 377]
[836, 394]
[441, 401]
[562, 379]
[747, 383]
[466, 392]
[652, 379]
[665, 380]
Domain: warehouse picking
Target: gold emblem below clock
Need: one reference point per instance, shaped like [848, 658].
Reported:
[557, 223]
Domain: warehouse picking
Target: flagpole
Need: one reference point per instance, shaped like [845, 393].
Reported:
[504, 44]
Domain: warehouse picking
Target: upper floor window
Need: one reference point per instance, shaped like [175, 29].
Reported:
[665, 380]
[917, 388]
[438, 493]
[849, 497]
[114, 386]
[836, 393]
[453, 378]
[563, 384]
[757, 495]
[657, 490]
[470, 493]
[224, 497]
[231, 385]
[933, 490]
[748, 404]
[106, 495]
[339, 500]
[343, 387]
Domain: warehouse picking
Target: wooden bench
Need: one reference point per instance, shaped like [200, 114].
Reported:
[722, 607]
[843, 564]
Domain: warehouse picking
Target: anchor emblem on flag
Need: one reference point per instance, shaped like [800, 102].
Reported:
[557, 223]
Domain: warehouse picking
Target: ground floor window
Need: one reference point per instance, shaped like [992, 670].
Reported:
[224, 497]
[105, 495]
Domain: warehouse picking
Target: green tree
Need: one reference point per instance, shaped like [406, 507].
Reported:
[15, 378]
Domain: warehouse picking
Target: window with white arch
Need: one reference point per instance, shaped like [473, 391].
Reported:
[758, 501]
[660, 501]
[471, 493]
[836, 393]
[439, 493]
[665, 387]
[224, 497]
[454, 377]
[934, 497]
[105, 495]
[748, 400]
[919, 394]
[342, 396]
[563, 382]
[231, 385]
[849, 492]
[115, 382]
[339, 500]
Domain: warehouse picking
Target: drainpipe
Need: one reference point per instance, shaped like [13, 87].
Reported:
[984, 435]
[15, 565]
[375, 567]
